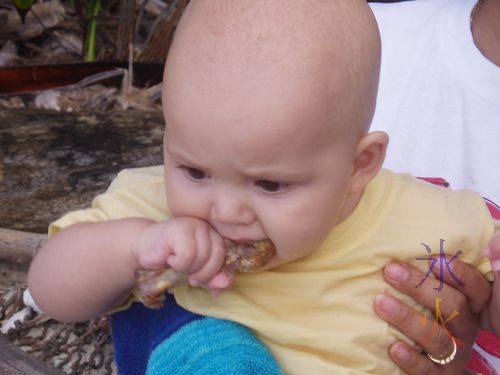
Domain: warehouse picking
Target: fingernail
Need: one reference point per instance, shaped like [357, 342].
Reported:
[401, 353]
[388, 304]
[397, 273]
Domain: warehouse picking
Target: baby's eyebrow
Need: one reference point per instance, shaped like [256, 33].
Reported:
[182, 157]
[176, 153]
[277, 175]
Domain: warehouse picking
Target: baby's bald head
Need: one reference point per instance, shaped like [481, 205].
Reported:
[267, 106]
[327, 49]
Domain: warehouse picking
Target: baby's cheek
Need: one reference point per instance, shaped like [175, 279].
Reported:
[182, 202]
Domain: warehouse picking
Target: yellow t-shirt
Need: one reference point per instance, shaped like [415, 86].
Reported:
[316, 314]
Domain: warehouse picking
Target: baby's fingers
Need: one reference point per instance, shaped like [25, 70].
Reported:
[219, 283]
[202, 250]
[183, 253]
[214, 262]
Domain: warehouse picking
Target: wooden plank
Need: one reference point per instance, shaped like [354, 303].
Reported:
[19, 247]
[17, 79]
[13, 361]
[53, 162]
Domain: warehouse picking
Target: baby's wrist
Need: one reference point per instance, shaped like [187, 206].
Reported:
[137, 234]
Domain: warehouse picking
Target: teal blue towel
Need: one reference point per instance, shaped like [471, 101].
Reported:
[211, 346]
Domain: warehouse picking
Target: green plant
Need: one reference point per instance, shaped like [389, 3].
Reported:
[22, 7]
[93, 8]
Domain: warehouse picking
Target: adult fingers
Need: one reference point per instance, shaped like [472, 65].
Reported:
[405, 279]
[414, 363]
[475, 287]
[429, 334]
[491, 321]
[463, 326]
[494, 244]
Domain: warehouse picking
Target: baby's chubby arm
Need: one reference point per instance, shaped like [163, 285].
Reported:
[88, 269]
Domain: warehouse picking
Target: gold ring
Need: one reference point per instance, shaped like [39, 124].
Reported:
[446, 360]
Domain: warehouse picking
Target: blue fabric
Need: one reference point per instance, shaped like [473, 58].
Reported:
[172, 340]
[212, 347]
[137, 331]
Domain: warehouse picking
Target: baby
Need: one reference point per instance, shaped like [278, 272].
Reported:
[267, 106]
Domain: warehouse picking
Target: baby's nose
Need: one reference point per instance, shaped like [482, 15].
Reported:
[230, 209]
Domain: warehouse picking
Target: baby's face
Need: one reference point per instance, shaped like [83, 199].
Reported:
[256, 158]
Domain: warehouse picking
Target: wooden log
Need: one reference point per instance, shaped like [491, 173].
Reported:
[54, 162]
[13, 361]
[17, 79]
[18, 246]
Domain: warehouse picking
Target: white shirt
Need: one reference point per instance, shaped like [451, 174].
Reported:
[439, 97]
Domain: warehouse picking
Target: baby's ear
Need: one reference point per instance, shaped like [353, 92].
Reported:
[369, 156]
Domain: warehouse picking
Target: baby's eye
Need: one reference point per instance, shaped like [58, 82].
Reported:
[195, 173]
[271, 186]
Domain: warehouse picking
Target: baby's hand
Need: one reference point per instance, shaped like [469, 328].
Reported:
[493, 252]
[187, 245]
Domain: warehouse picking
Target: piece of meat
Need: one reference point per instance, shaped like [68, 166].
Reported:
[152, 285]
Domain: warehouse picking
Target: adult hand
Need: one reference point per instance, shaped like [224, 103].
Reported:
[490, 317]
[468, 301]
